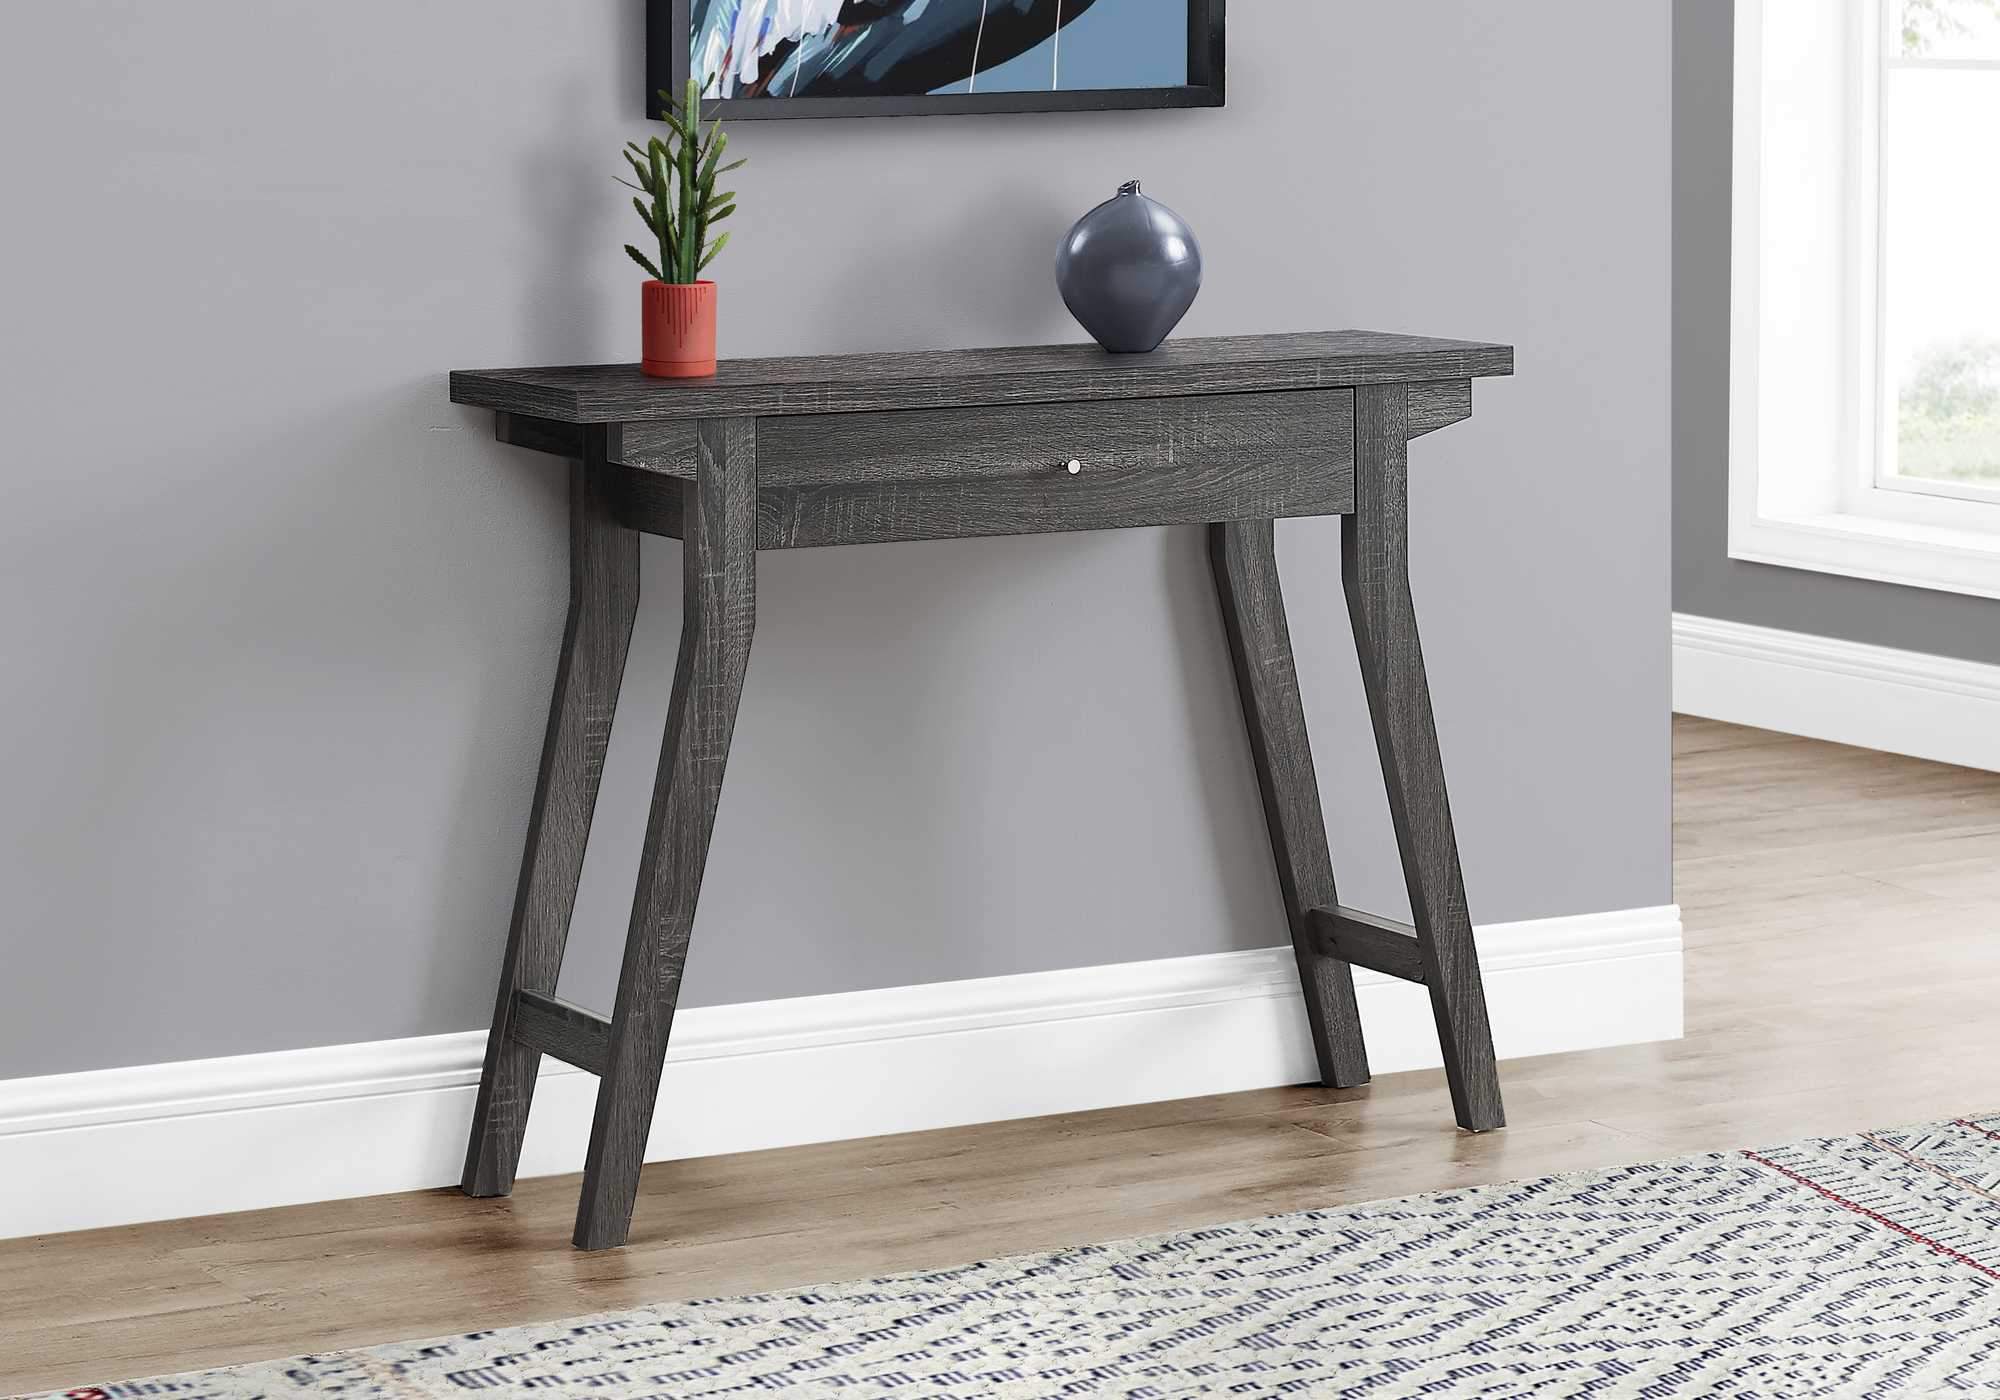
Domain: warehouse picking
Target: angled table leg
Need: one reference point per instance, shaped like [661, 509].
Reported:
[719, 571]
[603, 601]
[1374, 566]
[1244, 558]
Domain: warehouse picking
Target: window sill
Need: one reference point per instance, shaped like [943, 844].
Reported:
[1903, 552]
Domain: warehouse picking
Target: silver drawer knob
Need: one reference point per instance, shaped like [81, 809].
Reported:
[1073, 466]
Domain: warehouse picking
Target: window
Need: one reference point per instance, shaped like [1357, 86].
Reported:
[1865, 338]
[1938, 382]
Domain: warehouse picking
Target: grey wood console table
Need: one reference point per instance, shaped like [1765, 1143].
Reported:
[857, 449]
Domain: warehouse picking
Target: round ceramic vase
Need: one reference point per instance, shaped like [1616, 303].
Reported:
[1129, 270]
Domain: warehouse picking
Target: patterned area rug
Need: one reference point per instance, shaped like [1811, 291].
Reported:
[1848, 1266]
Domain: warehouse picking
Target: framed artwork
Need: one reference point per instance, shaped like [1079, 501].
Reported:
[887, 58]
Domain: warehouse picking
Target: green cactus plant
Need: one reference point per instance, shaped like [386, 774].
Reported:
[676, 184]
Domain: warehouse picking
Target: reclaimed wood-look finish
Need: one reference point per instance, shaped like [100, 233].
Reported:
[573, 1034]
[719, 608]
[1367, 940]
[540, 435]
[1374, 566]
[1309, 433]
[953, 473]
[646, 501]
[1439, 405]
[665, 448]
[1233, 433]
[668, 449]
[1250, 364]
[671, 449]
[603, 601]
[1183, 493]
[1243, 556]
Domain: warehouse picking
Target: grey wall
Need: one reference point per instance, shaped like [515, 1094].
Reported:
[280, 622]
[1707, 581]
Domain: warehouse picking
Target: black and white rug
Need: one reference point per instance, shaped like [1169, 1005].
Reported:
[1850, 1266]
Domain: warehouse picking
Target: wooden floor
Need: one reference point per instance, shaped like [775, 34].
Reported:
[1841, 910]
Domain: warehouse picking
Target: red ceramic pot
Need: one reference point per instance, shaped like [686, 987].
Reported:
[678, 332]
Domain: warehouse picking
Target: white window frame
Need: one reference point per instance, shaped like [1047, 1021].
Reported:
[1877, 169]
[1806, 317]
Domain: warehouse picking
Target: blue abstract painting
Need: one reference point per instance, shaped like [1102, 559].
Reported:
[911, 48]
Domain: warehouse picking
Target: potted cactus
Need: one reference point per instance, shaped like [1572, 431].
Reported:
[677, 199]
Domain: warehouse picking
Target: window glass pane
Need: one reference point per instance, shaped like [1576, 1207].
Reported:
[1951, 28]
[1941, 265]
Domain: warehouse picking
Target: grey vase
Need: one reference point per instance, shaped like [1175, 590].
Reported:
[1129, 270]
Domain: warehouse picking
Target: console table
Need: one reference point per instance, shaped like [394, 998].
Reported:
[1228, 433]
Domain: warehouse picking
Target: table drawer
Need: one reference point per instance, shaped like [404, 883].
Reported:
[852, 478]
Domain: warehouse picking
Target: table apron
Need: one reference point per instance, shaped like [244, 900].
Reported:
[947, 473]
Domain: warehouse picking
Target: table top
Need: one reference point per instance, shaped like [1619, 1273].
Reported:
[873, 383]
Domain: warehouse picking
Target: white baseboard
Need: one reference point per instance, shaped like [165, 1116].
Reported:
[112, 1147]
[1903, 702]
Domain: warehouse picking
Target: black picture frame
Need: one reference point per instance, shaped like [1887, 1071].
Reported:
[669, 57]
